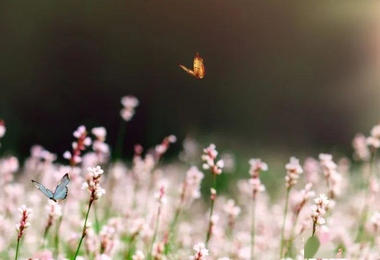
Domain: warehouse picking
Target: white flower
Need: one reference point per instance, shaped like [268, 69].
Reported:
[99, 132]
[375, 132]
[200, 247]
[231, 209]
[257, 165]
[99, 192]
[127, 114]
[54, 209]
[322, 200]
[172, 138]
[95, 172]
[294, 169]
[84, 186]
[372, 141]
[24, 210]
[2, 130]
[67, 155]
[80, 131]
[129, 101]
[294, 166]
[201, 251]
[103, 257]
[361, 149]
[139, 255]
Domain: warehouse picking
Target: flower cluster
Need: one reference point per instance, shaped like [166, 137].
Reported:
[107, 239]
[333, 177]
[374, 139]
[8, 167]
[158, 251]
[54, 210]
[101, 149]
[256, 166]
[80, 145]
[232, 212]
[303, 197]
[129, 104]
[2, 128]
[92, 182]
[201, 252]
[139, 255]
[360, 147]
[164, 146]
[293, 170]
[191, 186]
[20, 227]
[318, 210]
[209, 157]
[160, 195]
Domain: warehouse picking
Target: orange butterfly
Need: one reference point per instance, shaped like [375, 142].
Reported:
[198, 71]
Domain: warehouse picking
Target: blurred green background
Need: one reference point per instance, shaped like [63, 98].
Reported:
[282, 78]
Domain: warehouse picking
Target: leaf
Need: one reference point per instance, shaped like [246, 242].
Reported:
[311, 246]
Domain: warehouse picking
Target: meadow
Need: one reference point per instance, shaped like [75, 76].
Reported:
[147, 209]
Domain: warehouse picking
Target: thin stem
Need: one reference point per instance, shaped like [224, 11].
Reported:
[211, 211]
[56, 239]
[364, 212]
[45, 235]
[283, 222]
[155, 231]
[130, 244]
[84, 228]
[314, 228]
[253, 209]
[177, 214]
[17, 247]
[97, 226]
[120, 139]
[172, 230]
[292, 235]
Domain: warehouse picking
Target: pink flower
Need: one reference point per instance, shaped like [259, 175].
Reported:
[294, 169]
[2, 128]
[209, 157]
[129, 104]
[257, 165]
[201, 252]
[44, 255]
[20, 227]
[361, 149]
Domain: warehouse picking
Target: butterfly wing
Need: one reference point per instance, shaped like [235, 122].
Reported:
[199, 67]
[61, 190]
[42, 188]
[190, 72]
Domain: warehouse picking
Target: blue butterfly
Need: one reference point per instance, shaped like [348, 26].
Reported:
[60, 192]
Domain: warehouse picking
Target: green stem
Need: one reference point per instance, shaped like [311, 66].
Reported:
[17, 247]
[97, 226]
[120, 139]
[314, 228]
[45, 235]
[253, 209]
[84, 229]
[130, 244]
[283, 222]
[172, 229]
[211, 211]
[292, 235]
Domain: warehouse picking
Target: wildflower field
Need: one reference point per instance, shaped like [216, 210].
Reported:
[145, 209]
